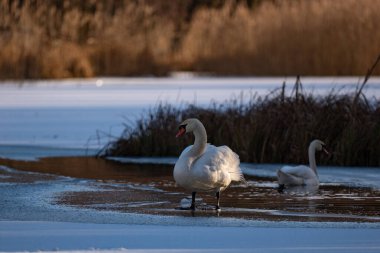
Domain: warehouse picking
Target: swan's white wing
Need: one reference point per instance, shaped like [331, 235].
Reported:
[299, 171]
[297, 175]
[216, 168]
[289, 179]
[212, 171]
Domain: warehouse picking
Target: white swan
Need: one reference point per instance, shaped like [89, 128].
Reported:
[302, 175]
[204, 167]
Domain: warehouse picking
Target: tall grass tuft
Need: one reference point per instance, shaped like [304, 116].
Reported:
[271, 129]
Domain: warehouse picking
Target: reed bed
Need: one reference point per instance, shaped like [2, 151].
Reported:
[60, 39]
[319, 37]
[273, 129]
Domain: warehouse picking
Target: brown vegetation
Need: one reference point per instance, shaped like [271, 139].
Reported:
[271, 129]
[58, 39]
[320, 37]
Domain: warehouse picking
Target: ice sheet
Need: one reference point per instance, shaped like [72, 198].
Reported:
[56, 118]
[53, 236]
[88, 112]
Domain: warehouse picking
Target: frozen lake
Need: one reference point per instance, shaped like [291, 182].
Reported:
[87, 113]
[52, 200]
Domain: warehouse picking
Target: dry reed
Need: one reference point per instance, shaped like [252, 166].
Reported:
[58, 39]
[319, 37]
[271, 129]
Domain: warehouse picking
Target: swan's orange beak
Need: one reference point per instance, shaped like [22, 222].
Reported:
[326, 151]
[181, 132]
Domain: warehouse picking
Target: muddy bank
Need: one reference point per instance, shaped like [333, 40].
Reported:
[150, 189]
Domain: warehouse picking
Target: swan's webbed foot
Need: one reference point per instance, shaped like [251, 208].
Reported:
[281, 188]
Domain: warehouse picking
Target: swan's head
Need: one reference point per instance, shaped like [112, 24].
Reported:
[188, 126]
[319, 146]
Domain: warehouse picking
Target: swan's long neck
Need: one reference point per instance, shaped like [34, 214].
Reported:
[200, 141]
[312, 162]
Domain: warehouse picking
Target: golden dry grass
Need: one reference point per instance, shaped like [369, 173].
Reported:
[42, 40]
[58, 39]
[320, 37]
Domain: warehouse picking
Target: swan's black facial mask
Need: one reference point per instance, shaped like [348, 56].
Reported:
[181, 131]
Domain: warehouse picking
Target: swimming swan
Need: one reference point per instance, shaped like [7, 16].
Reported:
[204, 167]
[302, 175]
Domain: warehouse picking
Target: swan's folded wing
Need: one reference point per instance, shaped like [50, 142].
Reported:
[210, 179]
[289, 179]
[219, 163]
[299, 171]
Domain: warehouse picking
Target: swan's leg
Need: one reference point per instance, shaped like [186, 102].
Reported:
[217, 207]
[192, 207]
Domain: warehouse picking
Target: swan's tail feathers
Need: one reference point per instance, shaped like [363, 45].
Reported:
[242, 180]
[280, 174]
[235, 171]
[237, 175]
[282, 178]
[231, 162]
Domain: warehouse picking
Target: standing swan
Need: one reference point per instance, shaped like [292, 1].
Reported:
[301, 175]
[204, 167]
